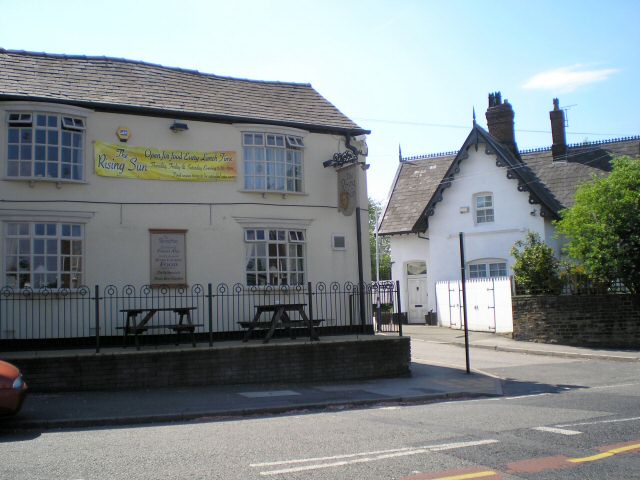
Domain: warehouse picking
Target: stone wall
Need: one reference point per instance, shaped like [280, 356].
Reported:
[606, 321]
[324, 361]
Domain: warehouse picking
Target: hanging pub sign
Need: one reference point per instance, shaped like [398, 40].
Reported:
[146, 163]
[168, 258]
[348, 189]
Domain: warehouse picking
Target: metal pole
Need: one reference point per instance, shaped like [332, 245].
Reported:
[97, 313]
[210, 312]
[464, 301]
[310, 300]
[399, 307]
[378, 306]
[377, 252]
[360, 269]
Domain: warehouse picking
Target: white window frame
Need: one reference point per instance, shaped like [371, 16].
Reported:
[275, 256]
[273, 162]
[483, 213]
[41, 243]
[488, 265]
[36, 149]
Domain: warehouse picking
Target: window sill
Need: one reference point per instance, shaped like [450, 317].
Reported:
[33, 180]
[264, 193]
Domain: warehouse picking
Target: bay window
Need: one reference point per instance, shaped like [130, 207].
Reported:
[43, 145]
[272, 162]
[43, 255]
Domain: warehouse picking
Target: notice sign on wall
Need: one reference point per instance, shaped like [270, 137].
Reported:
[146, 163]
[168, 257]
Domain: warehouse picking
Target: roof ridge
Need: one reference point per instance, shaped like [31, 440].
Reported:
[64, 56]
[430, 155]
[530, 150]
[602, 142]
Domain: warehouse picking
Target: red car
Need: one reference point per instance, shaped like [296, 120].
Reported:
[13, 389]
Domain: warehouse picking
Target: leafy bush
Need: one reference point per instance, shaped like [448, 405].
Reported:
[536, 269]
[603, 226]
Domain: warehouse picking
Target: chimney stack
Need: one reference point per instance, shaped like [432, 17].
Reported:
[558, 134]
[500, 122]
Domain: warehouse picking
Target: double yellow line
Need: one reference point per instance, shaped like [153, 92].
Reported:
[607, 454]
[592, 458]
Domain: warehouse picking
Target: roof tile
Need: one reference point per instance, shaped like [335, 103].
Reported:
[110, 82]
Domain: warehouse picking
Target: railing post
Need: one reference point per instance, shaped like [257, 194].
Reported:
[210, 312]
[378, 309]
[399, 307]
[310, 300]
[97, 313]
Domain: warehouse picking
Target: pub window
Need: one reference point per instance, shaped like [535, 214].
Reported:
[45, 146]
[275, 256]
[272, 163]
[43, 255]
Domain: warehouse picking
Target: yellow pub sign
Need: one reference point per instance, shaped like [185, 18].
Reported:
[146, 163]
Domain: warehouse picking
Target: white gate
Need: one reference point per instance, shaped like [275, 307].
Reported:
[489, 301]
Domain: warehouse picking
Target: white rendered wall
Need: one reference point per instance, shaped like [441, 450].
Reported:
[121, 211]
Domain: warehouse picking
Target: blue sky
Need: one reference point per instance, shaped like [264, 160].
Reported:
[409, 70]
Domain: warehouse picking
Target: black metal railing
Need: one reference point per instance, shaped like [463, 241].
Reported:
[95, 317]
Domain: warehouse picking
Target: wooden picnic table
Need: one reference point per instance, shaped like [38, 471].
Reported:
[280, 319]
[132, 327]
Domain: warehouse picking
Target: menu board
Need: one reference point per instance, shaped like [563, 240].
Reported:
[168, 258]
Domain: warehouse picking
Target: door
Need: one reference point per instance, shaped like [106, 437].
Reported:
[417, 299]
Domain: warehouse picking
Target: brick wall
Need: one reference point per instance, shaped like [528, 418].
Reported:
[324, 361]
[606, 321]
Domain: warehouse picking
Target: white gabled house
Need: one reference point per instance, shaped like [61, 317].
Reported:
[489, 191]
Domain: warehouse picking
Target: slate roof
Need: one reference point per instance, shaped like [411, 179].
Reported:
[421, 181]
[113, 84]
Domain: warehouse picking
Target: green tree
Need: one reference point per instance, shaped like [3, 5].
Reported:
[602, 228]
[536, 267]
[384, 248]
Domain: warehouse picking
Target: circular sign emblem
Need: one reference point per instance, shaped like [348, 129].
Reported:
[123, 134]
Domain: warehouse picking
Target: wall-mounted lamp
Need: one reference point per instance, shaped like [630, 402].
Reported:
[464, 209]
[533, 212]
[178, 126]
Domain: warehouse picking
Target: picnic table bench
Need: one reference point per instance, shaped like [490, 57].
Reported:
[280, 319]
[132, 327]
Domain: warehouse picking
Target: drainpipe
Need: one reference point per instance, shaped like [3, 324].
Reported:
[361, 285]
[360, 269]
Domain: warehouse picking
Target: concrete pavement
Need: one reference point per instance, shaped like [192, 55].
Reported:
[503, 343]
[427, 383]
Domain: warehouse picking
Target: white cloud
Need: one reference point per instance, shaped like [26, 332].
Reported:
[567, 79]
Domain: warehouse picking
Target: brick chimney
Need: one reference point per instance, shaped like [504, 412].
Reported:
[500, 122]
[558, 134]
